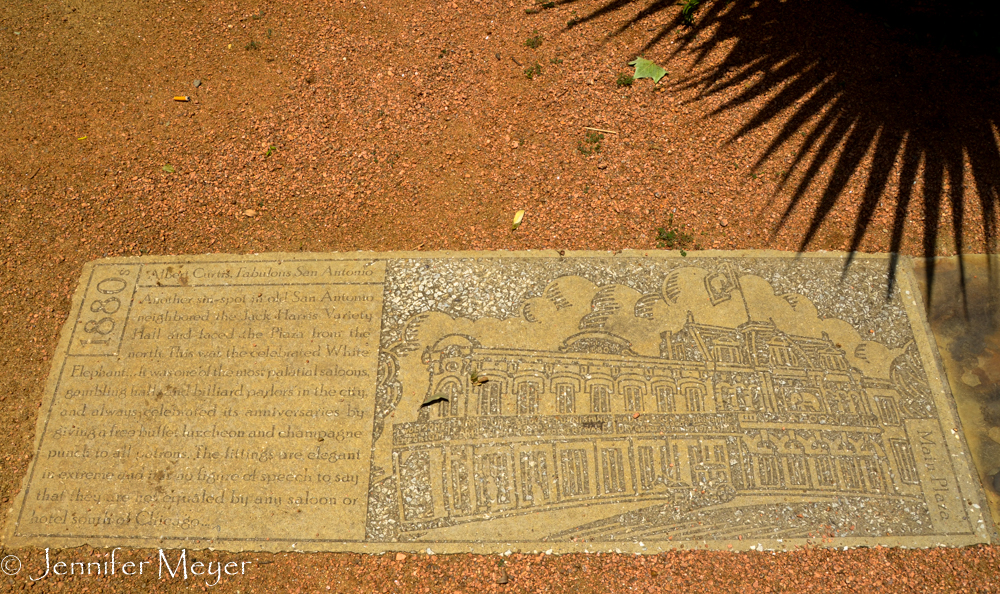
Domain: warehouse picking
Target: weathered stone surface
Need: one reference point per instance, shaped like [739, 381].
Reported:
[964, 315]
[636, 401]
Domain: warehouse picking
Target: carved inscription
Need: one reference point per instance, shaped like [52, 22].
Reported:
[495, 402]
[947, 511]
[220, 401]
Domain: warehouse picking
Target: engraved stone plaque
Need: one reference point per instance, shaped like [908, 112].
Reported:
[493, 401]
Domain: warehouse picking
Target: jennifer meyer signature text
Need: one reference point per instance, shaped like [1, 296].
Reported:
[166, 565]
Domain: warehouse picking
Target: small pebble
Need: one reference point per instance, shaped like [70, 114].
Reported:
[724, 222]
[197, 83]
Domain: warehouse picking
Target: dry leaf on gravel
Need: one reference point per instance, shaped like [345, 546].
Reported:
[433, 399]
[518, 217]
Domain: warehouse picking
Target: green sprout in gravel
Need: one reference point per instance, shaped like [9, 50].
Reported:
[591, 143]
[534, 42]
[532, 71]
[270, 151]
[253, 45]
[687, 12]
[671, 237]
[625, 80]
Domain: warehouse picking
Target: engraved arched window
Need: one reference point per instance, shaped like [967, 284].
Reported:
[725, 396]
[825, 474]
[849, 472]
[527, 398]
[873, 472]
[565, 398]
[665, 399]
[647, 467]
[839, 402]
[726, 350]
[798, 471]
[489, 399]
[779, 352]
[492, 480]
[600, 399]
[858, 403]
[694, 398]
[887, 410]
[633, 398]
[906, 464]
[834, 361]
[748, 397]
[768, 471]
[613, 470]
[451, 390]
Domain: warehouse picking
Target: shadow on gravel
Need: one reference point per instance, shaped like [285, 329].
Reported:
[913, 85]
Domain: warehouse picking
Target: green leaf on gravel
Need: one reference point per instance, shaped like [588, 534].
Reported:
[646, 69]
[169, 168]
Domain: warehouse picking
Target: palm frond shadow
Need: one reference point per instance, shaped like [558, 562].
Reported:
[852, 91]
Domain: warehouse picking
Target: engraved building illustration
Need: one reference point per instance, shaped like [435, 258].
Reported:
[723, 414]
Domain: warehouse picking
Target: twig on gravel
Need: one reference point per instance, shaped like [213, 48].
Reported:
[599, 130]
[32, 176]
[558, 96]
[515, 61]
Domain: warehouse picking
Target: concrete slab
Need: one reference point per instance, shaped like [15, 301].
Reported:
[639, 401]
[964, 315]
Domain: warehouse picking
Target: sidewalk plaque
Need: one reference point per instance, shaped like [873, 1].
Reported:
[638, 401]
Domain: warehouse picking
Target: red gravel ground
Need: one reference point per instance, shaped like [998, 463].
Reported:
[338, 125]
